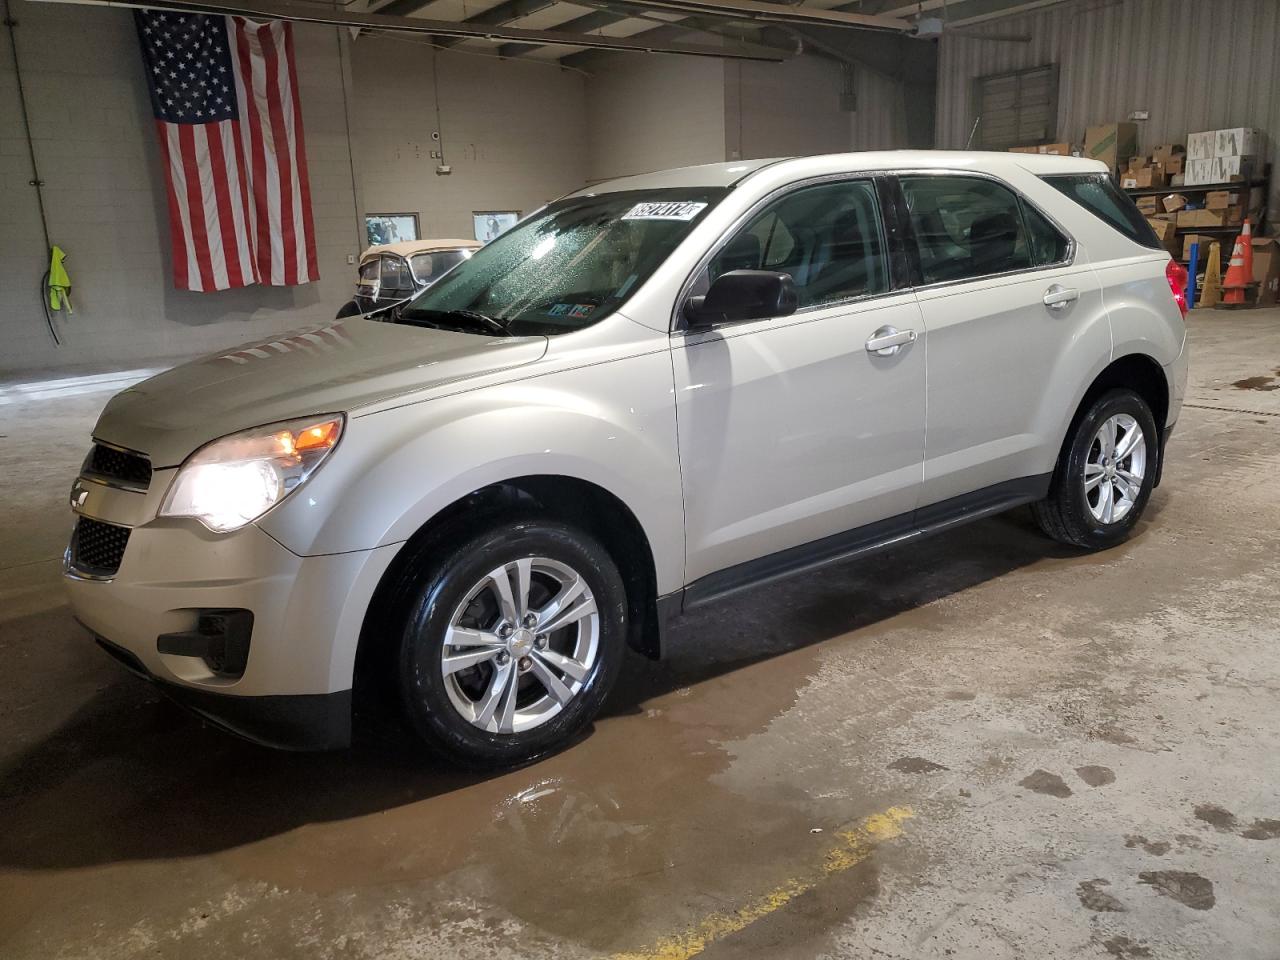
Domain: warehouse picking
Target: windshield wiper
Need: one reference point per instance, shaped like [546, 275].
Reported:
[475, 318]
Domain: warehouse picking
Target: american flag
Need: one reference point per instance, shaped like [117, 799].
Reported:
[224, 91]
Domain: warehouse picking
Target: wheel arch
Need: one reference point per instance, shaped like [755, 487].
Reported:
[1139, 372]
[567, 499]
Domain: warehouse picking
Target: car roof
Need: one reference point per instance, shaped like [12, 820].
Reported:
[728, 174]
[407, 248]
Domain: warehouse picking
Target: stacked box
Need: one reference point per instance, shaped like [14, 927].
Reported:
[1201, 146]
[1167, 232]
[1111, 143]
[1237, 142]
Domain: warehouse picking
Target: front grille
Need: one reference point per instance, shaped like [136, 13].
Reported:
[97, 548]
[110, 464]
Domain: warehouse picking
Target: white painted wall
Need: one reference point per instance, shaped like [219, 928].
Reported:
[651, 112]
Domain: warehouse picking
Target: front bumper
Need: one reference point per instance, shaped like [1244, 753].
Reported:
[307, 613]
[317, 721]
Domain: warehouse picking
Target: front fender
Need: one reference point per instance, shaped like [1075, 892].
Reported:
[611, 424]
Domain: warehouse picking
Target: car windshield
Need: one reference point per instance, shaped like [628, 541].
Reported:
[430, 267]
[565, 267]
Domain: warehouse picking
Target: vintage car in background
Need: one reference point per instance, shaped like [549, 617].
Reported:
[391, 272]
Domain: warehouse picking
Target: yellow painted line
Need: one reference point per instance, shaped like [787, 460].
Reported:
[855, 845]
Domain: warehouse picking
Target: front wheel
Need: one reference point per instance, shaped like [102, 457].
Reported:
[1105, 475]
[511, 642]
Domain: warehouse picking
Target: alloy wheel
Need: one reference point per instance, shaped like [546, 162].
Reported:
[1115, 468]
[521, 645]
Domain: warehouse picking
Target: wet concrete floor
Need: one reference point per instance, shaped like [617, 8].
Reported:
[981, 746]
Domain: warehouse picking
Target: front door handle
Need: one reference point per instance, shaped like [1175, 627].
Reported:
[1057, 296]
[887, 341]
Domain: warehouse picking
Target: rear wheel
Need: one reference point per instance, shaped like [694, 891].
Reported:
[511, 643]
[1105, 475]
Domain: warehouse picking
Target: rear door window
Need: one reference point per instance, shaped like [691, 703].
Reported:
[1101, 197]
[966, 227]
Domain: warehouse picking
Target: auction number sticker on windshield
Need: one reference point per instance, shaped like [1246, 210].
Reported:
[665, 210]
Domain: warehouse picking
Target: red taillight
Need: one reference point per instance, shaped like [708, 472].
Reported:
[1176, 274]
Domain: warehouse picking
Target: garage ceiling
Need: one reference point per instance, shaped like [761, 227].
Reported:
[563, 30]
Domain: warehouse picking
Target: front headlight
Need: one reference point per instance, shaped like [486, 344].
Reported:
[233, 481]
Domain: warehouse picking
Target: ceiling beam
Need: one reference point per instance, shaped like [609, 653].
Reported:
[751, 11]
[583, 24]
[300, 11]
[496, 16]
[675, 30]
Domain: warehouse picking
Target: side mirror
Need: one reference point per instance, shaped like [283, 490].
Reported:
[743, 295]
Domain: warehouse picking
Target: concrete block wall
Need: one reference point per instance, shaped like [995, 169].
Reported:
[513, 132]
[97, 152]
[784, 109]
[516, 133]
[650, 112]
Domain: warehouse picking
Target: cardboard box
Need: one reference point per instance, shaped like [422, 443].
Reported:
[1053, 149]
[1137, 163]
[1149, 177]
[1235, 215]
[1149, 206]
[1189, 239]
[1220, 199]
[1128, 182]
[1266, 269]
[1174, 165]
[1199, 172]
[1111, 142]
[1178, 180]
[1167, 232]
[1228, 169]
[1202, 218]
[1200, 146]
[1237, 142]
[1168, 151]
[1173, 202]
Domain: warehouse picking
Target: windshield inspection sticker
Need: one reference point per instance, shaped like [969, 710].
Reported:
[668, 210]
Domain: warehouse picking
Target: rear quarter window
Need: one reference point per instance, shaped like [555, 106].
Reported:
[1101, 197]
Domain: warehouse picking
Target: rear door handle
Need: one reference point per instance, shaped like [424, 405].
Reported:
[887, 341]
[1057, 297]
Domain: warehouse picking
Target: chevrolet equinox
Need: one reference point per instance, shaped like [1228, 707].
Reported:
[651, 394]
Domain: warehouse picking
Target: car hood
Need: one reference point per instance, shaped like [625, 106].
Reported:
[336, 367]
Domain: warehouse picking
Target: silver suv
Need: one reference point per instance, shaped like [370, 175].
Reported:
[651, 394]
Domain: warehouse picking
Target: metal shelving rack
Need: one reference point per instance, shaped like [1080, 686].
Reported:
[1258, 228]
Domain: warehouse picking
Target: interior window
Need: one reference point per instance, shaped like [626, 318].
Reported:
[965, 227]
[827, 237]
[1048, 245]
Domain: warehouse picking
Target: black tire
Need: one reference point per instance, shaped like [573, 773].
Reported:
[349, 309]
[437, 593]
[1065, 515]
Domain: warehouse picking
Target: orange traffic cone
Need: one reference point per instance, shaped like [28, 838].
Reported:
[1240, 270]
